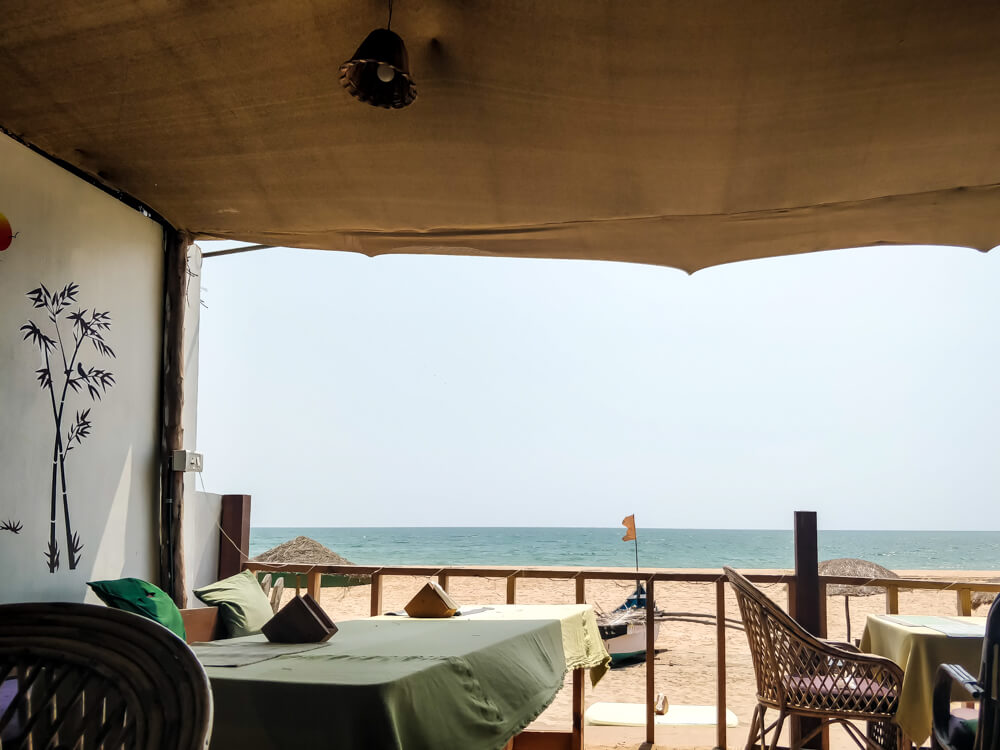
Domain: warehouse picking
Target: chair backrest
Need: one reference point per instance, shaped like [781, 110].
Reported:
[793, 668]
[988, 736]
[83, 676]
[202, 624]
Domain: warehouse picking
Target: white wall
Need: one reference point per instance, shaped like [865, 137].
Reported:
[201, 540]
[69, 231]
[201, 509]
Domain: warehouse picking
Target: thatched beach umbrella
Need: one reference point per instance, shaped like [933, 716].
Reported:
[305, 551]
[981, 598]
[852, 566]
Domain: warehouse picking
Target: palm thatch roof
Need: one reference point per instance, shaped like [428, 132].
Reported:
[305, 551]
[852, 566]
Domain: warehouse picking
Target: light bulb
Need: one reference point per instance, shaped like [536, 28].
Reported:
[385, 72]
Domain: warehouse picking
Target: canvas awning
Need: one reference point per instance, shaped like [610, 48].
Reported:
[683, 133]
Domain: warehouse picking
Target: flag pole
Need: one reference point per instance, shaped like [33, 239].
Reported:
[636, 540]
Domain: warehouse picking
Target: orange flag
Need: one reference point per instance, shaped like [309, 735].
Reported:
[629, 523]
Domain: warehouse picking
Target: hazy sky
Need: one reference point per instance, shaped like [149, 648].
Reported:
[341, 390]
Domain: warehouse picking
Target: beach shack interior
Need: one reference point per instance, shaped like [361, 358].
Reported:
[682, 133]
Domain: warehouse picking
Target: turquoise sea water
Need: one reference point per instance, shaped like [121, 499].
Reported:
[658, 548]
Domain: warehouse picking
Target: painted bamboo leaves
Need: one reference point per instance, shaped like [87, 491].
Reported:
[62, 372]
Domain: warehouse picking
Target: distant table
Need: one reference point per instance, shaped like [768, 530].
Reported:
[380, 684]
[919, 644]
[583, 648]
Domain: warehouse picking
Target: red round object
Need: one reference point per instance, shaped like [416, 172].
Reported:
[6, 235]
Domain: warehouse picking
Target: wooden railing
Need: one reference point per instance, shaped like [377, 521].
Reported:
[313, 575]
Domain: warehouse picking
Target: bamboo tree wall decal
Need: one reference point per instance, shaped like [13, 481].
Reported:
[86, 325]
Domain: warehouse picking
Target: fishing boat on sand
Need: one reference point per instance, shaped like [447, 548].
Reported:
[624, 629]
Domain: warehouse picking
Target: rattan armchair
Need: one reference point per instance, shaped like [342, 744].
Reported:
[799, 674]
[80, 676]
[958, 731]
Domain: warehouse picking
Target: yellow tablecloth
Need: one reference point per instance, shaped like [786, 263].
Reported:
[582, 644]
[919, 649]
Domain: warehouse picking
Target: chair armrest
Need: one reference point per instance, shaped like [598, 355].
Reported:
[844, 646]
[949, 675]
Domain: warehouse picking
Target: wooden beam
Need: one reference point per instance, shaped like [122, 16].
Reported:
[314, 584]
[891, 600]
[375, 605]
[234, 534]
[512, 588]
[807, 608]
[543, 740]
[964, 602]
[650, 663]
[720, 663]
[171, 511]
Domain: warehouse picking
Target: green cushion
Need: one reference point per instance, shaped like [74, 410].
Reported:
[243, 605]
[142, 598]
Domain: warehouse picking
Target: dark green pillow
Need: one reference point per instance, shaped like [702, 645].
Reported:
[142, 598]
[243, 605]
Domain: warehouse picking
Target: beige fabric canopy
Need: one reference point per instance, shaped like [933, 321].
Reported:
[676, 132]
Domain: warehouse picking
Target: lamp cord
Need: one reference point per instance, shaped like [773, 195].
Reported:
[389, 24]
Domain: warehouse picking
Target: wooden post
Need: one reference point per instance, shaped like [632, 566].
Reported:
[578, 680]
[822, 609]
[964, 602]
[892, 600]
[806, 608]
[314, 584]
[512, 588]
[650, 664]
[720, 663]
[234, 534]
[376, 601]
[171, 510]
[443, 580]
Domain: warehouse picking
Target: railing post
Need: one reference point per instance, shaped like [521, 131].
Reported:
[650, 663]
[443, 580]
[234, 534]
[376, 601]
[314, 583]
[807, 609]
[720, 662]
[578, 678]
[892, 600]
[964, 602]
[512, 588]
[822, 609]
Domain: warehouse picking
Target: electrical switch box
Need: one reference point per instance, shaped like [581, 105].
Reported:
[188, 461]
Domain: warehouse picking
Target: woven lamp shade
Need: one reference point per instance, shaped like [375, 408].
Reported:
[359, 75]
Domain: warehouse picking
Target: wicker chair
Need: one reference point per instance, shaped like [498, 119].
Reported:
[80, 676]
[799, 674]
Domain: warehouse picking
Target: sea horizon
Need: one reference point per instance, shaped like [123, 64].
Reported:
[584, 546]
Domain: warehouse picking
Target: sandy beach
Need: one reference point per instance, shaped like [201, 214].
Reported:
[686, 646]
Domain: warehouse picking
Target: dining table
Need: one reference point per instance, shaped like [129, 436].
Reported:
[472, 681]
[919, 644]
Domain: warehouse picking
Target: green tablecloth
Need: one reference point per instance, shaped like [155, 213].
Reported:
[919, 649]
[380, 684]
[582, 644]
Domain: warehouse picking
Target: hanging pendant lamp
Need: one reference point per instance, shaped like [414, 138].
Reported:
[379, 72]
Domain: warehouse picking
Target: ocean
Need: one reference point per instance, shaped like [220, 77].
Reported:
[658, 548]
